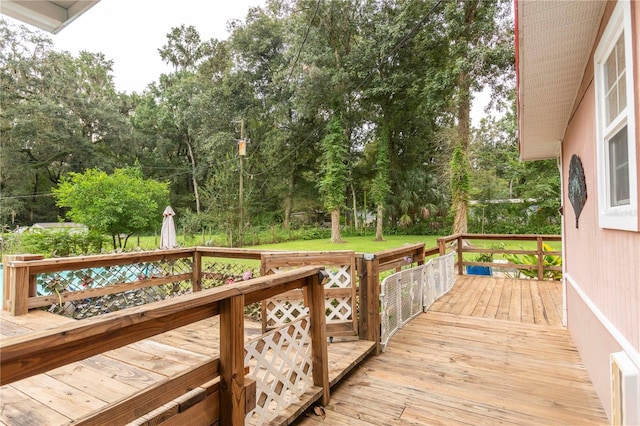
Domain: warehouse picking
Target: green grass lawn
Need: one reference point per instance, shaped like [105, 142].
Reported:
[358, 244]
[364, 244]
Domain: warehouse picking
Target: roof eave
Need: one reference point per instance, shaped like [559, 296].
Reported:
[554, 41]
[51, 16]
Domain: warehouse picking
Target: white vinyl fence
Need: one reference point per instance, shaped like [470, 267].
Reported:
[407, 293]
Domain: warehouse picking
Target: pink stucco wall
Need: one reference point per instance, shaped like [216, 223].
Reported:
[602, 265]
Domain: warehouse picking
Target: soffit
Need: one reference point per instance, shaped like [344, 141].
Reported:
[51, 15]
[554, 43]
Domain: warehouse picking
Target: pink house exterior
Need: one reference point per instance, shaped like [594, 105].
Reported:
[578, 68]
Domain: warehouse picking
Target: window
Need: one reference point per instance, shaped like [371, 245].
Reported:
[615, 124]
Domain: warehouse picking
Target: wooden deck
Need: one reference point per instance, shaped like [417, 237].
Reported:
[489, 352]
[525, 301]
[70, 392]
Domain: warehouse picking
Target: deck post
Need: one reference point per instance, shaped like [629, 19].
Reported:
[18, 284]
[6, 283]
[442, 247]
[369, 292]
[314, 295]
[539, 255]
[196, 271]
[232, 389]
[460, 259]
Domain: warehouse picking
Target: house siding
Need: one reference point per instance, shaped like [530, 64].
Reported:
[602, 265]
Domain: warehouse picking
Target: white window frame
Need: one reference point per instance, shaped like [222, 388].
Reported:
[623, 217]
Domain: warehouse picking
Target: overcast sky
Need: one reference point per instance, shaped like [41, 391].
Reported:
[130, 32]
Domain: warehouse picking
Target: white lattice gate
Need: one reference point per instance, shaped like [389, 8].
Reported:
[281, 364]
[405, 294]
[340, 290]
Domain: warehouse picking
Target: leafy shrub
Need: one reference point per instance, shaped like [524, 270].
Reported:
[61, 243]
[531, 259]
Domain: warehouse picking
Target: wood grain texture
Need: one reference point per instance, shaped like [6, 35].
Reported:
[527, 301]
[451, 369]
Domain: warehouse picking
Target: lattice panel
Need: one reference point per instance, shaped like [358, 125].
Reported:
[281, 364]
[339, 308]
[217, 273]
[339, 277]
[445, 273]
[410, 293]
[450, 269]
[280, 312]
[390, 310]
[55, 283]
[429, 294]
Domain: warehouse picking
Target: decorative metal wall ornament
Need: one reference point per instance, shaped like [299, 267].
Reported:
[577, 186]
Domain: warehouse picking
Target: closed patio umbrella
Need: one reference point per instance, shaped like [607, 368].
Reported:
[168, 232]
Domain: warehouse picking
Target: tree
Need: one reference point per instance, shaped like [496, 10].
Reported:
[121, 203]
[380, 187]
[480, 53]
[60, 114]
[333, 180]
[328, 37]
[404, 98]
[497, 173]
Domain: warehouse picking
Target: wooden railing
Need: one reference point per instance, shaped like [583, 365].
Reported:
[462, 243]
[31, 354]
[233, 394]
[21, 271]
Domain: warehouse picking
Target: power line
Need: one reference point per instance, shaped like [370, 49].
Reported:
[14, 197]
[306, 35]
[414, 31]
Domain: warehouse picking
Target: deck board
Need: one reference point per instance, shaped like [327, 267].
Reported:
[492, 351]
[71, 391]
[507, 360]
[527, 301]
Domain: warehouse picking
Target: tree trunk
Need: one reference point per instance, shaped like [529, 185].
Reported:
[335, 226]
[379, 223]
[464, 109]
[464, 122]
[288, 201]
[192, 160]
[355, 207]
[460, 219]
[460, 203]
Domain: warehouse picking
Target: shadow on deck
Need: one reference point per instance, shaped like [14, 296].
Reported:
[491, 351]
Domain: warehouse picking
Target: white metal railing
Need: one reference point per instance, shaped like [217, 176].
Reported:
[407, 293]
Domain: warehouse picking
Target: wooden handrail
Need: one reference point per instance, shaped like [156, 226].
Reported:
[462, 248]
[38, 352]
[79, 262]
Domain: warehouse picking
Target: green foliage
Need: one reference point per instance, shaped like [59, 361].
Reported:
[380, 187]
[121, 203]
[333, 170]
[190, 222]
[499, 177]
[531, 259]
[58, 243]
[484, 257]
[60, 113]
[339, 98]
[460, 180]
